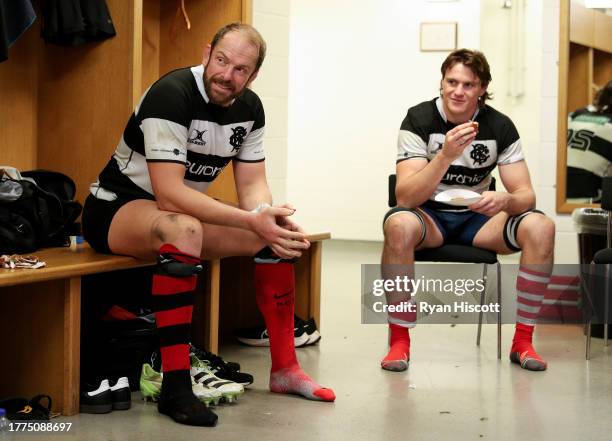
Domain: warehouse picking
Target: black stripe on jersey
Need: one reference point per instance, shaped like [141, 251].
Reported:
[582, 183]
[460, 175]
[113, 180]
[411, 157]
[255, 108]
[253, 160]
[204, 168]
[424, 119]
[132, 135]
[587, 140]
[166, 160]
[172, 97]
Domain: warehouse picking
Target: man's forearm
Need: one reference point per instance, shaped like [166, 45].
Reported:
[254, 195]
[521, 201]
[189, 201]
[413, 190]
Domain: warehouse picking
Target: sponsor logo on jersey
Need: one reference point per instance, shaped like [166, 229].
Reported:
[237, 138]
[196, 137]
[194, 168]
[459, 175]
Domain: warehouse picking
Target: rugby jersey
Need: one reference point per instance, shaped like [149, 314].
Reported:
[176, 122]
[422, 136]
[589, 154]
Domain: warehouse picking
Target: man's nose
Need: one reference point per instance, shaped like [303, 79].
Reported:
[227, 73]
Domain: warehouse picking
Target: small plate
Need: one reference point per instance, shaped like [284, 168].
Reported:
[458, 196]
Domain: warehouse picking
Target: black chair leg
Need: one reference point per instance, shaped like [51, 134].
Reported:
[482, 299]
[499, 313]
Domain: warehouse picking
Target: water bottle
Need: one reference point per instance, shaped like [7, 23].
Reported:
[4, 425]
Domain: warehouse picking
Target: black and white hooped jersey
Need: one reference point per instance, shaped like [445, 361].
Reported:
[422, 135]
[175, 122]
[589, 154]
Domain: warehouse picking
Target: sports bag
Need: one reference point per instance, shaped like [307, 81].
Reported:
[37, 209]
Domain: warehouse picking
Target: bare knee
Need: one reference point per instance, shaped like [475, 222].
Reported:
[181, 230]
[538, 233]
[402, 233]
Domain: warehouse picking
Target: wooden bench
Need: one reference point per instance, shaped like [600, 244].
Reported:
[40, 323]
[40, 314]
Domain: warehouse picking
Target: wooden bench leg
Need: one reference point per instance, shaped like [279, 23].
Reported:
[212, 343]
[72, 345]
[315, 281]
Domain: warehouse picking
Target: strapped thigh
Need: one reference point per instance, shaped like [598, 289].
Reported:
[511, 229]
[418, 215]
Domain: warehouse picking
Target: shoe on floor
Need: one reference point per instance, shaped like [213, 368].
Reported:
[97, 401]
[121, 394]
[258, 336]
[225, 370]
[201, 373]
[310, 327]
[151, 386]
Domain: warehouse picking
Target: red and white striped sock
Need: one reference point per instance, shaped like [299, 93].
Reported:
[530, 286]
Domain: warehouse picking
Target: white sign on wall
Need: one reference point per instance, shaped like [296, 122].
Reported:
[439, 36]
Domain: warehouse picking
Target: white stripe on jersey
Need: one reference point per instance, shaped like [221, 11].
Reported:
[405, 141]
[133, 165]
[512, 154]
[589, 160]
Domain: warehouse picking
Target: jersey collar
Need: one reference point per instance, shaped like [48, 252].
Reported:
[440, 108]
[198, 74]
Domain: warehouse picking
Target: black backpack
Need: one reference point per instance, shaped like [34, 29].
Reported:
[44, 214]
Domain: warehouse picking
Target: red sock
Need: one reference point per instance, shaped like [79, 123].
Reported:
[173, 299]
[275, 290]
[522, 351]
[399, 349]
[530, 286]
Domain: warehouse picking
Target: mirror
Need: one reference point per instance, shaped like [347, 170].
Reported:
[585, 66]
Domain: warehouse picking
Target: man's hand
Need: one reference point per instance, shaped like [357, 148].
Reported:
[288, 224]
[492, 202]
[285, 242]
[457, 139]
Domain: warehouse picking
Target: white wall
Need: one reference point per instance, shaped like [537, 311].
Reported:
[354, 70]
[271, 19]
[566, 249]
[340, 76]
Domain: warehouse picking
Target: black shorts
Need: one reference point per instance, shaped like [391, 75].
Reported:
[96, 220]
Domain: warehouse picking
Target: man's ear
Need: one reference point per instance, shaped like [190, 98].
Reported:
[206, 55]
